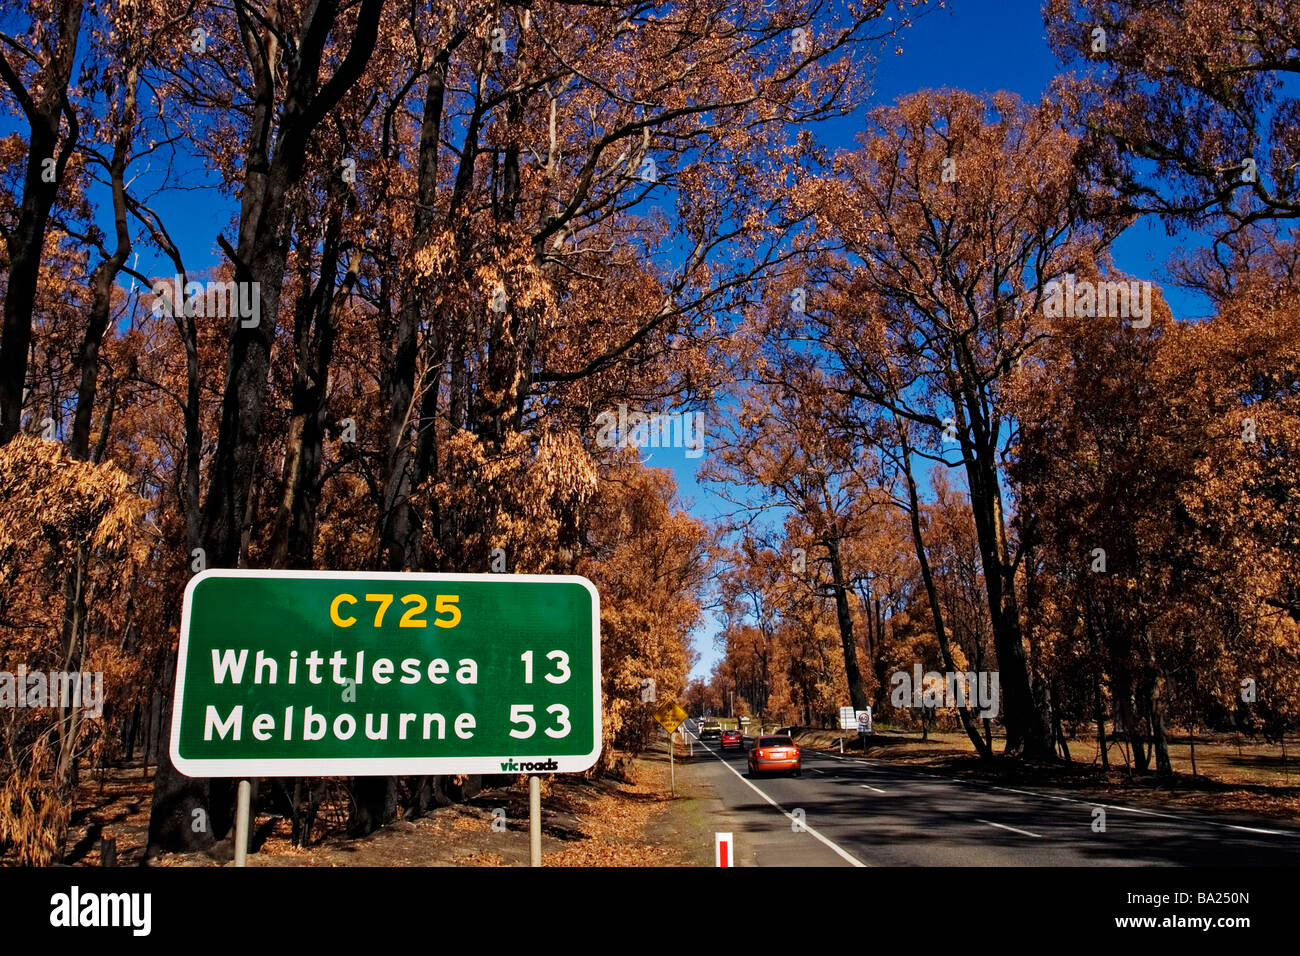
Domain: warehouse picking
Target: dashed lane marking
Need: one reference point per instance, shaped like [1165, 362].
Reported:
[1003, 826]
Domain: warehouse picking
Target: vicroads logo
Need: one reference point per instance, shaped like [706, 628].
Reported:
[514, 766]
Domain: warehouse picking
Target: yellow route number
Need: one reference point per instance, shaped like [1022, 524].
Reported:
[416, 605]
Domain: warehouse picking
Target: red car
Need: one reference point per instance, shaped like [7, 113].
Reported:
[775, 753]
[732, 738]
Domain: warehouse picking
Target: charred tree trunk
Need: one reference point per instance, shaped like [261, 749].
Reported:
[857, 692]
[259, 258]
[1027, 733]
[398, 545]
[1100, 714]
[47, 158]
[932, 593]
[102, 279]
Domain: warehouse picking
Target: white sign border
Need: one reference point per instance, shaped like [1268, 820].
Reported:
[375, 766]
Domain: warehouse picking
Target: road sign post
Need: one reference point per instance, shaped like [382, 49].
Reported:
[670, 717]
[864, 726]
[848, 721]
[242, 807]
[534, 820]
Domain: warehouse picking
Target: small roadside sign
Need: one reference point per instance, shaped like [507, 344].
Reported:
[722, 853]
[848, 719]
[864, 721]
[670, 715]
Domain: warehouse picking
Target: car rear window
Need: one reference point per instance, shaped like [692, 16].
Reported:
[775, 742]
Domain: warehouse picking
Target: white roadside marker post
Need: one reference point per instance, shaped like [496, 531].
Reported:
[722, 850]
[241, 823]
[535, 820]
[672, 769]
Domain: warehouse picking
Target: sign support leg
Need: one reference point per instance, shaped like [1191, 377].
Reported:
[535, 820]
[241, 823]
[672, 770]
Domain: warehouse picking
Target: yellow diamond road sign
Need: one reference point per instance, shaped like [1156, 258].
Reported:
[670, 715]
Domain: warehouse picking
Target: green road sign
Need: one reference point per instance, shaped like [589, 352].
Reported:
[316, 673]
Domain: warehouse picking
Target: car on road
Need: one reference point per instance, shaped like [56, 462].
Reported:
[710, 730]
[732, 738]
[773, 753]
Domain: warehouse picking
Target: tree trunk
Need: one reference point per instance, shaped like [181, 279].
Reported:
[857, 693]
[259, 258]
[397, 548]
[1057, 730]
[1102, 747]
[374, 803]
[46, 161]
[982, 746]
[1027, 733]
[102, 279]
[294, 539]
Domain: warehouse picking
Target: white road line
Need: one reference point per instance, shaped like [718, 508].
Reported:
[865, 766]
[1149, 813]
[872, 789]
[1233, 826]
[1003, 826]
[803, 824]
[1191, 821]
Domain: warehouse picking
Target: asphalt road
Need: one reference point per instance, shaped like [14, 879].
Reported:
[847, 811]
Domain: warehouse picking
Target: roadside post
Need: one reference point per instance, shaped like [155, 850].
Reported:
[359, 673]
[848, 721]
[722, 850]
[670, 716]
[241, 822]
[534, 820]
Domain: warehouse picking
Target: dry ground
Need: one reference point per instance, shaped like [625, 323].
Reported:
[605, 822]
